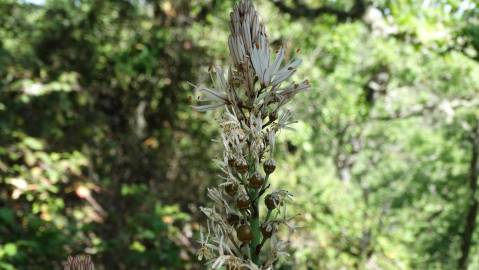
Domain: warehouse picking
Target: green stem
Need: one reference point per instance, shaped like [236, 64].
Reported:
[263, 187]
[268, 215]
[255, 228]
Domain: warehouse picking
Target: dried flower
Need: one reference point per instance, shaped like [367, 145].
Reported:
[267, 229]
[79, 262]
[206, 249]
[253, 94]
[233, 219]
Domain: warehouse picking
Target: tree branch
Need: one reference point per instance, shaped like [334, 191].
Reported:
[301, 10]
[419, 110]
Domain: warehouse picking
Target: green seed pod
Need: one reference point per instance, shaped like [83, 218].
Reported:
[244, 233]
[242, 202]
[231, 189]
[256, 180]
[269, 166]
[271, 201]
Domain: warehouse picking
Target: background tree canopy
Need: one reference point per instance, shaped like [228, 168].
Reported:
[101, 153]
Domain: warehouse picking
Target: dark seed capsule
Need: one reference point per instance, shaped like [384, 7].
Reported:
[273, 116]
[244, 233]
[256, 180]
[242, 202]
[271, 201]
[241, 166]
[267, 230]
[269, 166]
[231, 189]
[233, 219]
[231, 162]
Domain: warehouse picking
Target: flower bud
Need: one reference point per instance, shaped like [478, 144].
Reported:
[269, 166]
[256, 180]
[244, 233]
[242, 202]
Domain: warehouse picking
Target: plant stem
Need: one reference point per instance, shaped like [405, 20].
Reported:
[255, 228]
[268, 215]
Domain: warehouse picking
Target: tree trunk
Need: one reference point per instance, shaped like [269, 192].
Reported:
[470, 222]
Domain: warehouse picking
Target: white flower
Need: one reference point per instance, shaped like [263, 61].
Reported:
[285, 73]
[217, 96]
[216, 195]
[237, 50]
[271, 140]
[260, 60]
[285, 120]
[278, 247]
[245, 29]
[206, 249]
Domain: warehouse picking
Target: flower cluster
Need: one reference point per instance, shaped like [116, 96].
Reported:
[253, 94]
[79, 262]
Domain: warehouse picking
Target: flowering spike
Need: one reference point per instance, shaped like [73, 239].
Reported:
[253, 102]
[79, 262]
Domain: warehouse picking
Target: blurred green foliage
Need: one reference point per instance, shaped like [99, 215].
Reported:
[100, 152]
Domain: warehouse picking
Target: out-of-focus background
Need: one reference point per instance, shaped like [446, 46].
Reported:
[101, 153]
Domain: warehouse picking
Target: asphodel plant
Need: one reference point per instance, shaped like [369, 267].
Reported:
[246, 214]
[79, 262]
